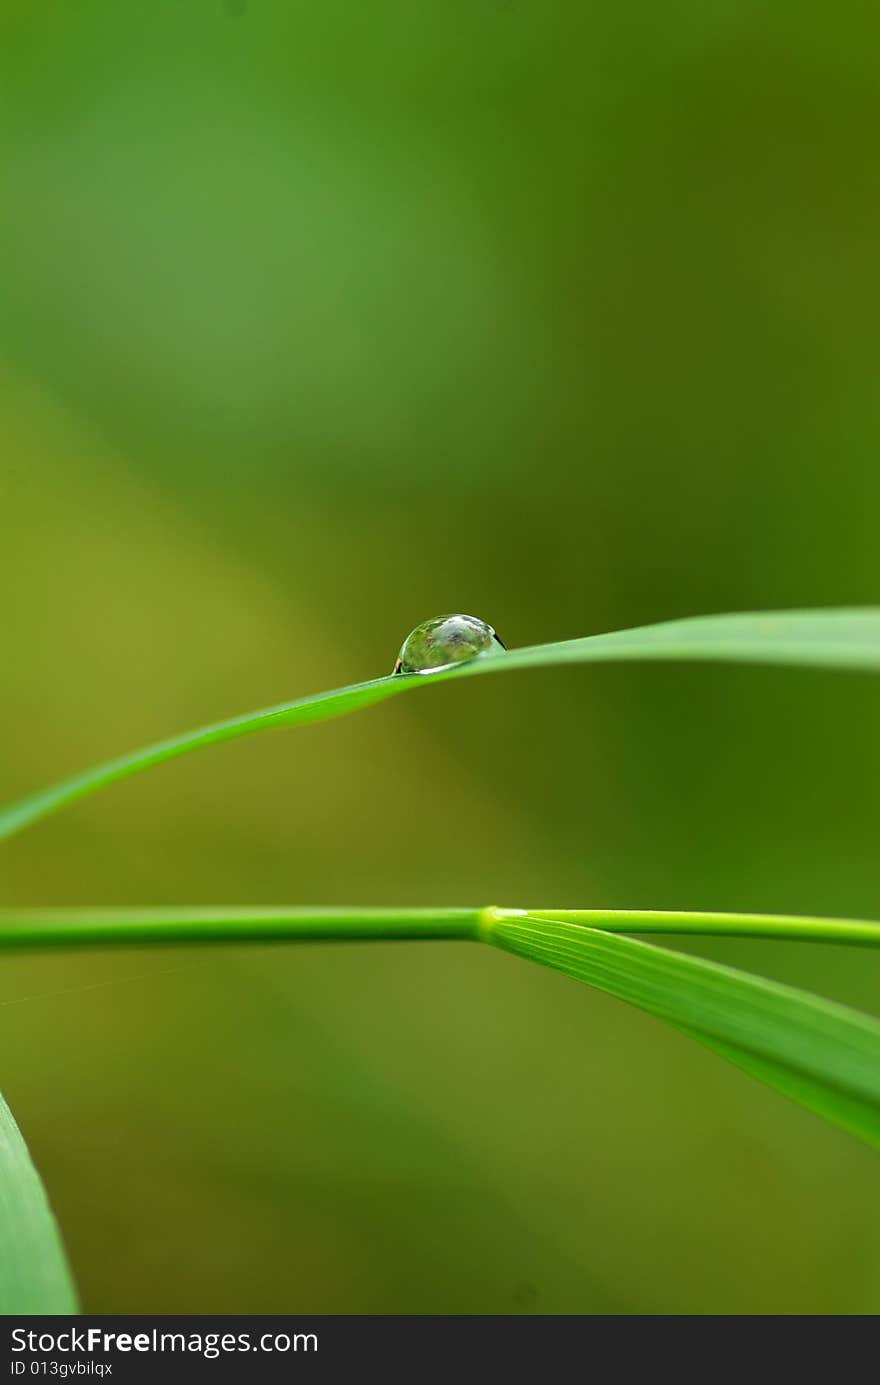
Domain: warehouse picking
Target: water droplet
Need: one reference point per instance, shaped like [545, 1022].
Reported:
[446, 640]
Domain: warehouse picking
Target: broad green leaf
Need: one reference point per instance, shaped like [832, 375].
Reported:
[844, 639]
[34, 1275]
[817, 1052]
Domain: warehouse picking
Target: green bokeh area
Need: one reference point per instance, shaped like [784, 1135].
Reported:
[318, 321]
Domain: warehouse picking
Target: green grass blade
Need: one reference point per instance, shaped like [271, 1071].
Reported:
[320, 707]
[34, 1275]
[813, 1050]
[36, 928]
[853, 1115]
[834, 638]
[102, 926]
[790, 927]
[820, 1054]
[842, 638]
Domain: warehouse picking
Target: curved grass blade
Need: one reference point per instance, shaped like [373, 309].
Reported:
[34, 1274]
[320, 707]
[819, 1053]
[852, 1115]
[844, 638]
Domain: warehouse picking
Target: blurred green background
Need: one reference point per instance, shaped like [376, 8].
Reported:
[316, 321]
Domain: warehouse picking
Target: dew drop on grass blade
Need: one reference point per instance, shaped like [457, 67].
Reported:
[835, 639]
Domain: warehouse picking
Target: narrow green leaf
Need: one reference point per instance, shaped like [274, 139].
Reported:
[34, 1275]
[791, 927]
[856, 1117]
[833, 638]
[819, 1053]
[34, 928]
[102, 926]
[844, 638]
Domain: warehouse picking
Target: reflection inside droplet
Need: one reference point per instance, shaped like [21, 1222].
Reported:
[446, 640]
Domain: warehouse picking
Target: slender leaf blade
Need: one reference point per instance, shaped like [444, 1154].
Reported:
[851, 1114]
[842, 637]
[790, 927]
[34, 1274]
[847, 638]
[107, 926]
[820, 1053]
